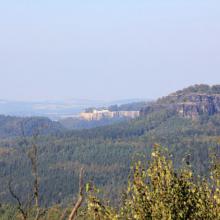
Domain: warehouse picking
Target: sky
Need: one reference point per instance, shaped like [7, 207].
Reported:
[106, 50]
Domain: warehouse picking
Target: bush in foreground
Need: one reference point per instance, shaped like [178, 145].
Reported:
[155, 191]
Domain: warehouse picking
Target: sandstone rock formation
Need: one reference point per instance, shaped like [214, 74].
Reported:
[101, 114]
[190, 102]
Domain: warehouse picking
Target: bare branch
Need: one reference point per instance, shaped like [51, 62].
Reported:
[40, 213]
[20, 207]
[80, 197]
[63, 216]
[33, 158]
[33, 155]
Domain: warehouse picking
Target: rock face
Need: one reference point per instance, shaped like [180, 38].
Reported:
[191, 106]
[190, 102]
[102, 114]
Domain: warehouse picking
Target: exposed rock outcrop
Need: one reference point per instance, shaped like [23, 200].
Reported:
[190, 103]
[101, 114]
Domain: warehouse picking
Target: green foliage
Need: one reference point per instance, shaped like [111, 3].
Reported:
[79, 124]
[134, 106]
[7, 212]
[155, 191]
[11, 126]
[159, 192]
[105, 152]
[202, 88]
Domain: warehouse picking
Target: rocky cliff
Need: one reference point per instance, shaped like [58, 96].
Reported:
[106, 114]
[190, 103]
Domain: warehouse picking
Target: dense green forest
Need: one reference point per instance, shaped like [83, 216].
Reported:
[154, 190]
[79, 123]
[11, 126]
[106, 153]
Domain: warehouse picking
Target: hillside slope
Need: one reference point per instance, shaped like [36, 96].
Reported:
[107, 152]
[11, 126]
[191, 102]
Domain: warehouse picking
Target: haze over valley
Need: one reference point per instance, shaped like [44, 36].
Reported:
[54, 109]
[110, 110]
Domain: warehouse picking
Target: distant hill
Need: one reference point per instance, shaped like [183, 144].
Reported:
[199, 88]
[133, 106]
[191, 102]
[17, 126]
[79, 124]
[116, 114]
[107, 152]
[54, 110]
[51, 109]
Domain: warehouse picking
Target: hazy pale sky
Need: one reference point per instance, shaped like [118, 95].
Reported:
[106, 50]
